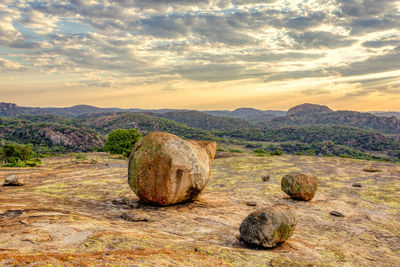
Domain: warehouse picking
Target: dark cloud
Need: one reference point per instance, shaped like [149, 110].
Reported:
[366, 8]
[387, 22]
[299, 74]
[319, 39]
[303, 22]
[364, 16]
[388, 41]
[376, 64]
[218, 72]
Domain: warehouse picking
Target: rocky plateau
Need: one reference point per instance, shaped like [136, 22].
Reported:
[81, 212]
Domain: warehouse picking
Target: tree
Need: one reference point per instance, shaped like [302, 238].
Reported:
[15, 155]
[121, 141]
[15, 151]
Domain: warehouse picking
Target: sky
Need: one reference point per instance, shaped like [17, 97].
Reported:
[201, 54]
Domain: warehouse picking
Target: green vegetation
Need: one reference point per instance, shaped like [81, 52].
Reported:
[121, 141]
[50, 135]
[80, 157]
[341, 141]
[308, 114]
[201, 120]
[261, 152]
[105, 123]
[15, 155]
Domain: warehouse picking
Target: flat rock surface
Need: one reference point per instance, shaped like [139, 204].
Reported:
[65, 215]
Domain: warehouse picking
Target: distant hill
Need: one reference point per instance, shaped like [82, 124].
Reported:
[201, 120]
[11, 110]
[107, 122]
[386, 114]
[249, 114]
[310, 114]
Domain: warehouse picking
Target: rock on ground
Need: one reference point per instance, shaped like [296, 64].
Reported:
[265, 178]
[269, 226]
[13, 180]
[136, 216]
[300, 186]
[165, 169]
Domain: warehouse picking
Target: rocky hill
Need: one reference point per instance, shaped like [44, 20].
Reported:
[310, 114]
[248, 114]
[341, 135]
[49, 136]
[386, 113]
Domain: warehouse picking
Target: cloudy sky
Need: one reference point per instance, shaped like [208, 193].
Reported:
[201, 54]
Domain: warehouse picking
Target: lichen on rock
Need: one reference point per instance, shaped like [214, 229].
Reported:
[268, 227]
[300, 186]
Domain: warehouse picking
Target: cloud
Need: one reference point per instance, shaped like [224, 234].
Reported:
[7, 65]
[111, 43]
[320, 39]
[366, 8]
[375, 64]
[383, 42]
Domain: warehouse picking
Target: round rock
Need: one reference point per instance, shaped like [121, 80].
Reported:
[300, 186]
[165, 169]
[13, 180]
[268, 227]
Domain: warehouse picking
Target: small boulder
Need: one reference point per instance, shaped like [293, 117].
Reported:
[372, 169]
[13, 180]
[357, 185]
[120, 201]
[136, 216]
[265, 178]
[251, 203]
[268, 227]
[336, 213]
[300, 186]
[164, 169]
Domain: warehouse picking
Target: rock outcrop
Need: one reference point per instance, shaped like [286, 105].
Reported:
[13, 180]
[164, 169]
[269, 226]
[300, 186]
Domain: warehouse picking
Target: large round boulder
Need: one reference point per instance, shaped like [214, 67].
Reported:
[300, 186]
[165, 169]
[268, 227]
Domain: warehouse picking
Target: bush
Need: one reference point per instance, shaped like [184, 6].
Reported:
[14, 155]
[121, 141]
[235, 151]
[260, 152]
[12, 152]
[79, 156]
[276, 153]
